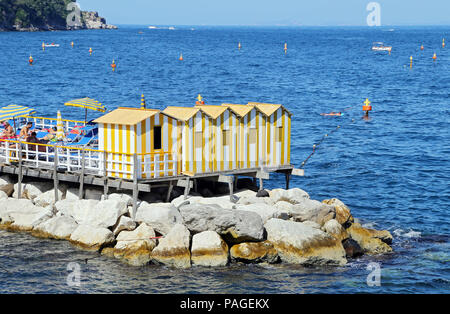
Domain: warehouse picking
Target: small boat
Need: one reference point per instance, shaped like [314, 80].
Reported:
[152, 27]
[379, 46]
[51, 45]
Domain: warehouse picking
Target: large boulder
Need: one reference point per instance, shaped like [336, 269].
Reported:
[208, 249]
[293, 196]
[58, 227]
[128, 199]
[264, 210]
[371, 241]
[32, 190]
[160, 216]
[91, 212]
[312, 210]
[134, 247]
[254, 252]
[343, 215]
[77, 209]
[8, 189]
[124, 224]
[334, 228]
[48, 198]
[297, 243]
[22, 214]
[235, 225]
[91, 238]
[173, 249]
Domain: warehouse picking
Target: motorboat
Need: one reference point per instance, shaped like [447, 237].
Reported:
[379, 46]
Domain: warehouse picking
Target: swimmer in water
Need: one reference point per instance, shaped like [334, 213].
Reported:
[332, 114]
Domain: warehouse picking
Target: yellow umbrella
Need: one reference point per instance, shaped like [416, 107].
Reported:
[86, 103]
[59, 128]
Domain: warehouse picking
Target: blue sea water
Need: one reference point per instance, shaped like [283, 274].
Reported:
[393, 170]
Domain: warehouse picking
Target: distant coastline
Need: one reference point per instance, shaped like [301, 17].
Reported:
[46, 15]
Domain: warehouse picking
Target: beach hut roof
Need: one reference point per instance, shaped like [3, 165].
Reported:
[240, 110]
[213, 111]
[181, 113]
[127, 116]
[268, 109]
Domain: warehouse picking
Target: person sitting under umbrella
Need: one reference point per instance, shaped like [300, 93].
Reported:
[8, 132]
[25, 131]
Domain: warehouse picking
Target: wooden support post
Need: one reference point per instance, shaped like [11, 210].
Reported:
[169, 191]
[187, 188]
[261, 184]
[80, 192]
[19, 195]
[135, 185]
[105, 173]
[195, 185]
[288, 179]
[55, 172]
[230, 186]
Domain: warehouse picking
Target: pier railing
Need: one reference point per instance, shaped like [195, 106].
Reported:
[89, 161]
[44, 123]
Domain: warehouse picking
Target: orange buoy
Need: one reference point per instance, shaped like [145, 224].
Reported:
[72, 44]
[113, 65]
[43, 46]
[421, 47]
[239, 46]
[434, 57]
[181, 57]
[443, 42]
[199, 100]
[367, 107]
[90, 51]
[285, 47]
[30, 60]
[411, 62]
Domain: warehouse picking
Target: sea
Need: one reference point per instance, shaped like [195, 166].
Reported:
[392, 169]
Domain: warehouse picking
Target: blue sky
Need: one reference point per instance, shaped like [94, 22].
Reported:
[268, 12]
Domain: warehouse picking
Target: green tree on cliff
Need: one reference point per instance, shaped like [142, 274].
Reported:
[38, 13]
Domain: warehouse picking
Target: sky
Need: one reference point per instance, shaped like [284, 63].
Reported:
[269, 12]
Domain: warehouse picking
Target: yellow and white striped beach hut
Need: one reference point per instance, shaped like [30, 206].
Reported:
[148, 134]
[275, 125]
[252, 135]
[209, 137]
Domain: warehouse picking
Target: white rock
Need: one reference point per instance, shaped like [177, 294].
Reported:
[334, 228]
[105, 213]
[312, 210]
[3, 195]
[91, 238]
[298, 243]
[77, 209]
[134, 247]
[32, 189]
[160, 216]
[208, 249]
[173, 249]
[293, 196]
[58, 227]
[236, 225]
[47, 198]
[128, 199]
[124, 223]
[262, 209]
[23, 213]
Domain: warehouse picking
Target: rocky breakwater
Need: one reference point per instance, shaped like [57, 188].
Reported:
[282, 226]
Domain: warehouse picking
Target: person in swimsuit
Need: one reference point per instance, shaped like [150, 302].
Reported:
[24, 132]
[8, 132]
[332, 114]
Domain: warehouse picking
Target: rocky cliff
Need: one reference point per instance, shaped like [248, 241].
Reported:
[45, 15]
